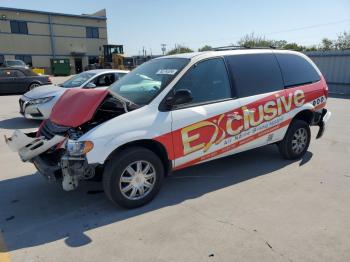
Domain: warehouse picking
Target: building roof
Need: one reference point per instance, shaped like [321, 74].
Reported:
[92, 16]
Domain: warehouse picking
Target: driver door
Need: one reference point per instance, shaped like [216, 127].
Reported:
[199, 128]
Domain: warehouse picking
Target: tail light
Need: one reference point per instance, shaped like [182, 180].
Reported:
[50, 79]
[325, 90]
[325, 86]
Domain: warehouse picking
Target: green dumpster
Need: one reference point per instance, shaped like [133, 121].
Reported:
[60, 67]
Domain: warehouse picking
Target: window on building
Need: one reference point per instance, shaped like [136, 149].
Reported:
[2, 60]
[92, 32]
[27, 59]
[255, 74]
[207, 81]
[93, 60]
[19, 27]
[296, 70]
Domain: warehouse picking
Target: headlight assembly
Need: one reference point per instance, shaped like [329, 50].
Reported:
[41, 100]
[78, 148]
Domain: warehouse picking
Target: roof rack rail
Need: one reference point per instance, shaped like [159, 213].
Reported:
[236, 47]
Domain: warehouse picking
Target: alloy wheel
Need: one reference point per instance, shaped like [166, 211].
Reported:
[299, 140]
[137, 180]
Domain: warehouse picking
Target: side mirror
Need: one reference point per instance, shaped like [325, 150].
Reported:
[90, 85]
[182, 96]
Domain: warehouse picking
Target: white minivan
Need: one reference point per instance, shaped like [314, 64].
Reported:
[177, 111]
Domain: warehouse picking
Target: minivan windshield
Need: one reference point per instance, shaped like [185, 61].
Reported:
[77, 80]
[145, 82]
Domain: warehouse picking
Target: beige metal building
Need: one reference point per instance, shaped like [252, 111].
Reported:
[35, 37]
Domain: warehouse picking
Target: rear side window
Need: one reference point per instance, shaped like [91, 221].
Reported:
[20, 73]
[296, 70]
[208, 81]
[8, 73]
[255, 74]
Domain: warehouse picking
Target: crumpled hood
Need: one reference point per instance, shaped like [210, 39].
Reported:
[45, 91]
[77, 106]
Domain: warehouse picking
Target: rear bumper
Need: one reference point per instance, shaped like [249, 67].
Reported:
[325, 116]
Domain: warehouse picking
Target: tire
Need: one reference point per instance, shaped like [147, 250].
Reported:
[296, 141]
[32, 86]
[118, 169]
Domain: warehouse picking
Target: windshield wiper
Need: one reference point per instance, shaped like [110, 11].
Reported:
[126, 103]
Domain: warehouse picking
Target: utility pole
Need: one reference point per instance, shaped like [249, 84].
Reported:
[163, 48]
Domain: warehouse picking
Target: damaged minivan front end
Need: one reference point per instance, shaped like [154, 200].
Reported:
[55, 149]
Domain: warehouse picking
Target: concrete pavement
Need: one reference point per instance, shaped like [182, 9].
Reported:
[253, 206]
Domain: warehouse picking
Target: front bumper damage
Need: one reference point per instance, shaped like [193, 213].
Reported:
[31, 148]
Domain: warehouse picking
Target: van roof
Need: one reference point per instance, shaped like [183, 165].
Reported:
[227, 52]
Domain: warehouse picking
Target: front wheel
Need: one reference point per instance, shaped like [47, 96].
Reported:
[32, 86]
[296, 141]
[133, 177]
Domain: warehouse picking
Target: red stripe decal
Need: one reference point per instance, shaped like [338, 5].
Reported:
[234, 145]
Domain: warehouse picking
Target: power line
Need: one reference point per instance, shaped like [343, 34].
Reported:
[308, 27]
[282, 31]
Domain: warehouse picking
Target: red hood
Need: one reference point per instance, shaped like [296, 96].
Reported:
[77, 106]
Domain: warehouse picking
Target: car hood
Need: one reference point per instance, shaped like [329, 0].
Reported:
[77, 106]
[45, 91]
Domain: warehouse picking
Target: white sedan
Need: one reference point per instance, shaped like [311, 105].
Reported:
[38, 103]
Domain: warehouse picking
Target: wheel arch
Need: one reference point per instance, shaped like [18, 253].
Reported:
[153, 145]
[34, 82]
[305, 115]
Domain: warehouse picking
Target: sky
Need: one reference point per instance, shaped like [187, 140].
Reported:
[195, 23]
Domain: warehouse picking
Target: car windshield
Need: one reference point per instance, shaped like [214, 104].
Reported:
[77, 80]
[15, 63]
[145, 82]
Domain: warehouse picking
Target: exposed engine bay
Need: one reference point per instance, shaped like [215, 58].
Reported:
[47, 148]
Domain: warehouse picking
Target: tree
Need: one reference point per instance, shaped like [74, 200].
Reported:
[260, 41]
[326, 44]
[179, 49]
[311, 48]
[343, 41]
[254, 41]
[205, 48]
[294, 46]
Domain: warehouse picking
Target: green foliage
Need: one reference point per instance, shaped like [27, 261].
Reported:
[179, 49]
[294, 46]
[326, 44]
[311, 48]
[343, 41]
[252, 40]
[205, 48]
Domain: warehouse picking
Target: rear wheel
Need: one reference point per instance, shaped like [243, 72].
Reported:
[296, 141]
[33, 85]
[133, 178]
